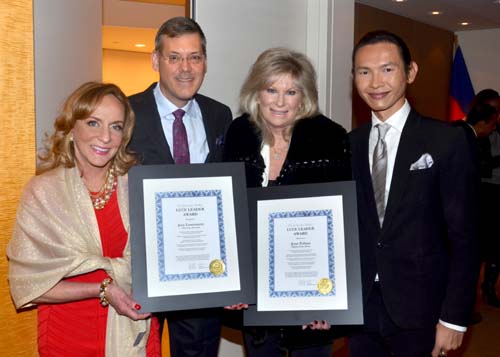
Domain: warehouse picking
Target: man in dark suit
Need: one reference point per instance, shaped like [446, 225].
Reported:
[480, 122]
[175, 124]
[416, 191]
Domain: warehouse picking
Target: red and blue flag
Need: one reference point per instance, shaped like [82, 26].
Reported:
[461, 89]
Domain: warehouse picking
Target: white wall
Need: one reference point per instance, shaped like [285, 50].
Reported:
[67, 42]
[481, 49]
[338, 105]
[238, 30]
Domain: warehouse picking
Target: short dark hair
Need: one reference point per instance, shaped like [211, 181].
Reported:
[380, 36]
[481, 112]
[178, 26]
[484, 96]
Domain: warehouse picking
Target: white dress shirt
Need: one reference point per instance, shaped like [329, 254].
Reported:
[266, 155]
[397, 122]
[193, 121]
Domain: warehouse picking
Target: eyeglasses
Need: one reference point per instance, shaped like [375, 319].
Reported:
[173, 58]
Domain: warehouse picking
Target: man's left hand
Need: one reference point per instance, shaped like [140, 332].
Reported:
[447, 339]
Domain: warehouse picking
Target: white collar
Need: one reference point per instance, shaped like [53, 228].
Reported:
[396, 120]
[165, 106]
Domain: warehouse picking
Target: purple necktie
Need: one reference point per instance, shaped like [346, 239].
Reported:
[181, 148]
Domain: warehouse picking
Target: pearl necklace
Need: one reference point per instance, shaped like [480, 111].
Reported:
[101, 198]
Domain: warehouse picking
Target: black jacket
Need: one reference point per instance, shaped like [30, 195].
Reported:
[425, 253]
[318, 152]
[148, 139]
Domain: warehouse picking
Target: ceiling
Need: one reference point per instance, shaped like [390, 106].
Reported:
[128, 38]
[480, 14]
[123, 27]
[130, 22]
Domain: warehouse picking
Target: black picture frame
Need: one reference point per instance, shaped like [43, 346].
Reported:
[353, 315]
[136, 176]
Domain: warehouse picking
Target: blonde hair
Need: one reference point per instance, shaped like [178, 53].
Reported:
[59, 149]
[271, 64]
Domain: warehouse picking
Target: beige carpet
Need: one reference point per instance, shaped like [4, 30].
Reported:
[481, 340]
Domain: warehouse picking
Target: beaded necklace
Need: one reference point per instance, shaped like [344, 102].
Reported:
[101, 198]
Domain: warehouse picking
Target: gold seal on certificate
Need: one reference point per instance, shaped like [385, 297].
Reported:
[217, 267]
[325, 285]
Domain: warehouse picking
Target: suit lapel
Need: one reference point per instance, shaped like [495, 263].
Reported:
[206, 116]
[154, 127]
[365, 180]
[408, 152]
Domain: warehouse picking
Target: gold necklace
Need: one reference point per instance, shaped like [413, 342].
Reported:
[101, 198]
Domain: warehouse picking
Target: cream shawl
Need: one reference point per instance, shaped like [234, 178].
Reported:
[56, 236]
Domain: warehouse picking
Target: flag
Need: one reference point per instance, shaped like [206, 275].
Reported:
[461, 89]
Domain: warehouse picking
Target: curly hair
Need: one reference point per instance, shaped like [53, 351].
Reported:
[59, 149]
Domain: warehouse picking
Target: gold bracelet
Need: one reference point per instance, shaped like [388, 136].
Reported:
[102, 291]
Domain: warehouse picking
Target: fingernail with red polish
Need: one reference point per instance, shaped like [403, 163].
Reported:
[137, 306]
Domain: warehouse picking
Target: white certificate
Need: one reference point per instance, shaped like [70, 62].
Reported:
[186, 230]
[300, 247]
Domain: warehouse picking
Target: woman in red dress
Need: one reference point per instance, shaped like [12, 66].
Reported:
[69, 253]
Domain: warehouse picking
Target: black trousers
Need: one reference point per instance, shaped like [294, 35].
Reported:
[276, 341]
[489, 234]
[287, 341]
[194, 332]
[381, 337]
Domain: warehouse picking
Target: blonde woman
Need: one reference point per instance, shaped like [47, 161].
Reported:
[283, 139]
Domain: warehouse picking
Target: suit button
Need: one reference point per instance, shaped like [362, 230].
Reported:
[380, 245]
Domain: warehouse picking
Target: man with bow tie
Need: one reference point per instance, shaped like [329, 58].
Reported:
[416, 196]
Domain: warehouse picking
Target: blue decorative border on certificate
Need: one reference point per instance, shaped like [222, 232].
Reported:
[159, 196]
[331, 258]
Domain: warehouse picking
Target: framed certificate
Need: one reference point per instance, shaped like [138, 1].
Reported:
[189, 236]
[307, 254]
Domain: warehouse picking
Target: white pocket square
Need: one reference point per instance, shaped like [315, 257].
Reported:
[424, 162]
